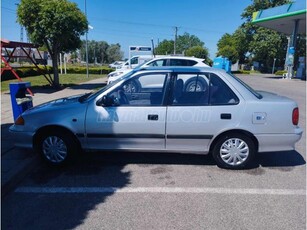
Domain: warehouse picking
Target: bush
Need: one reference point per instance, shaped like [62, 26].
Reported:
[241, 72]
[27, 71]
[280, 72]
[92, 70]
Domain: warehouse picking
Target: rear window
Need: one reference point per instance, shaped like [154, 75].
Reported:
[254, 92]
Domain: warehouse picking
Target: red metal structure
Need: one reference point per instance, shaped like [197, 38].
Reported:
[9, 51]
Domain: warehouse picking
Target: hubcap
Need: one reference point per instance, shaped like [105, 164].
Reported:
[130, 88]
[234, 151]
[193, 87]
[54, 149]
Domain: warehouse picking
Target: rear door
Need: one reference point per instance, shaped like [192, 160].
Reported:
[201, 106]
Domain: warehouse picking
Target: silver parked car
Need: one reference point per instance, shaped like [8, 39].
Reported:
[167, 112]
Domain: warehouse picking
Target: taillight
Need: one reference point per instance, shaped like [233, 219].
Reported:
[295, 115]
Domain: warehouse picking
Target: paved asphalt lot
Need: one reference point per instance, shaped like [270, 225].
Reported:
[168, 191]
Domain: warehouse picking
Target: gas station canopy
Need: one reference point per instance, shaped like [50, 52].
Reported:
[283, 18]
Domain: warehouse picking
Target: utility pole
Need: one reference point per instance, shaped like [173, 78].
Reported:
[175, 40]
[21, 27]
[86, 43]
[21, 33]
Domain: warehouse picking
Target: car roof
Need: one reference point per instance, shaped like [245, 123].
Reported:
[178, 57]
[187, 69]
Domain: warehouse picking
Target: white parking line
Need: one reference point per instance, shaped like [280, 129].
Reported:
[296, 192]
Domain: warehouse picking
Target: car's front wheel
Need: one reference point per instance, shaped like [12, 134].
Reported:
[131, 87]
[56, 147]
[233, 151]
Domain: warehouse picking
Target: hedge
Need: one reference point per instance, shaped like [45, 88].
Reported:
[241, 72]
[27, 71]
[280, 72]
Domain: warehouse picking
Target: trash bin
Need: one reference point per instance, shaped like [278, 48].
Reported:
[20, 101]
[222, 63]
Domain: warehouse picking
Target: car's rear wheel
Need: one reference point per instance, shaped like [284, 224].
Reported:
[233, 151]
[56, 147]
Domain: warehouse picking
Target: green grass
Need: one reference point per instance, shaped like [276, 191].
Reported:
[65, 80]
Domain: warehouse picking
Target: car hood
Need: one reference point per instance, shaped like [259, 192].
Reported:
[56, 104]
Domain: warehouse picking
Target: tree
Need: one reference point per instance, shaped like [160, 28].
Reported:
[56, 24]
[227, 47]
[114, 53]
[165, 47]
[263, 44]
[187, 44]
[186, 41]
[254, 43]
[199, 52]
[101, 51]
[241, 39]
[267, 45]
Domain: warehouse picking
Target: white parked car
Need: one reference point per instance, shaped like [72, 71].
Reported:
[158, 62]
[226, 118]
[116, 64]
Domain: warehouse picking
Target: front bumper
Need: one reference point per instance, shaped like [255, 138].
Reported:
[21, 138]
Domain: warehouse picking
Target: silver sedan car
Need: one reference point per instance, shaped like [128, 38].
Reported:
[173, 109]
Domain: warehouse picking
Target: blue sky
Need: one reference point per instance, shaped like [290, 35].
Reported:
[136, 22]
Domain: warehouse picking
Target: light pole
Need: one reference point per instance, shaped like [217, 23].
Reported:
[86, 45]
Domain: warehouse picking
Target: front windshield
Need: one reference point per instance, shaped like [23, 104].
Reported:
[254, 92]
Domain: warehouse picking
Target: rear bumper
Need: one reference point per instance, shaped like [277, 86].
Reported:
[278, 142]
[22, 139]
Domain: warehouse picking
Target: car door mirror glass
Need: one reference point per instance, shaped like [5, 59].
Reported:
[106, 101]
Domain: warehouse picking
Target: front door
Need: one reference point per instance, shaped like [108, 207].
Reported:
[134, 120]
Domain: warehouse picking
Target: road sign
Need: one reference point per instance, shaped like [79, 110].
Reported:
[140, 48]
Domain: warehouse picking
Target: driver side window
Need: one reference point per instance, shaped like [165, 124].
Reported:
[143, 90]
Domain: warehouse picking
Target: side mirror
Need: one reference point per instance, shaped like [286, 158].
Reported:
[105, 101]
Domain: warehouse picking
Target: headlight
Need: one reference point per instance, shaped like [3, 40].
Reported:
[115, 74]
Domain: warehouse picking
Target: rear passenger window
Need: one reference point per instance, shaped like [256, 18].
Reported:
[182, 62]
[191, 62]
[202, 89]
[191, 89]
[220, 93]
[178, 62]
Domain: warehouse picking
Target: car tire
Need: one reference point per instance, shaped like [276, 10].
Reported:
[57, 147]
[233, 151]
[131, 87]
[191, 84]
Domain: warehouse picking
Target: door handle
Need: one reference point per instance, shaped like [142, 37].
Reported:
[153, 117]
[226, 116]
